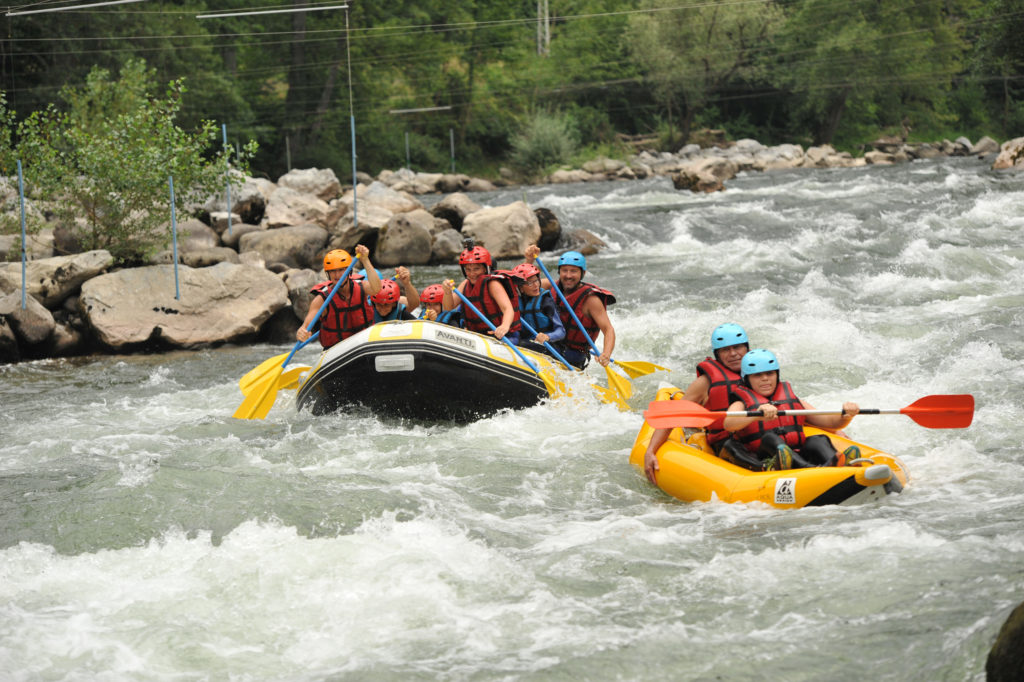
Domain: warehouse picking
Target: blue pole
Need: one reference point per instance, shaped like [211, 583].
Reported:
[227, 173]
[174, 234]
[24, 257]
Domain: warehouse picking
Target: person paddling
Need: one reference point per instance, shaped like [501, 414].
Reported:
[350, 310]
[390, 304]
[432, 307]
[774, 442]
[537, 308]
[588, 301]
[493, 293]
[716, 377]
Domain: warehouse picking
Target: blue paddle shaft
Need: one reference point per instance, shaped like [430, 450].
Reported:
[546, 345]
[494, 329]
[554, 285]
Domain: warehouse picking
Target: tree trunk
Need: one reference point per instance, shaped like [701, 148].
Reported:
[827, 131]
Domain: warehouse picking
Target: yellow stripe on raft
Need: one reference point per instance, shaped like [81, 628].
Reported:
[689, 471]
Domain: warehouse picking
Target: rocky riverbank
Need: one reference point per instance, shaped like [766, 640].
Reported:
[246, 275]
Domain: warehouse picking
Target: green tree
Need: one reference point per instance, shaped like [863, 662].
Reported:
[691, 54]
[106, 160]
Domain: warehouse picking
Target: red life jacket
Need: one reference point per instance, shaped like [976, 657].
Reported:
[723, 381]
[343, 317]
[789, 427]
[574, 338]
[479, 296]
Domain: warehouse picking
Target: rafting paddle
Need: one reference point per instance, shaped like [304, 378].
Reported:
[933, 412]
[263, 391]
[615, 380]
[548, 383]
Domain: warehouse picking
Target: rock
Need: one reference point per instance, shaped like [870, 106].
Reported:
[688, 150]
[584, 241]
[248, 201]
[405, 240]
[38, 245]
[1011, 155]
[1005, 662]
[301, 246]
[66, 240]
[817, 157]
[749, 146]
[965, 143]
[454, 208]
[446, 246]
[135, 308]
[505, 231]
[322, 184]
[550, 228]
[280, 328]
[603, 165]
[231, 239]
[194, 234]
[776, 158]
[699, 181]
[380, 195]
[64, 342]
[879, 158]
[566, 176]
[299, 282]
[204, 258]
[51, 280]
[219, 222]
[9, 351]
[288, 207]
[32, 325]
[452, 182]
[346, 234]
[887, 144]
[985, 146]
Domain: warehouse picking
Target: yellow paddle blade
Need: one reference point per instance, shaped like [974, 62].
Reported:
[619, 383]
[256, 375]
[607, 395]
[639, 368]
[290, 379]
[260, 398]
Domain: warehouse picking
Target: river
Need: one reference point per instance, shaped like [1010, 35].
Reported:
[147, 535]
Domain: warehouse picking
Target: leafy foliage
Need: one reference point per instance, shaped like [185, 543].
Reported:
[546, 139]
[105, 162]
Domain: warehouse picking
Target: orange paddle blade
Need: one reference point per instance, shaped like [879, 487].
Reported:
[942, 411]
[667, 414]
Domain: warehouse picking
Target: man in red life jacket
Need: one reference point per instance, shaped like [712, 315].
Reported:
[493, 293]
[350, 310]
[589, 302]
[712, 388]
[773, 442]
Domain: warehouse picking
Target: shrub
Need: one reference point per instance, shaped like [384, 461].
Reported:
[546, 139]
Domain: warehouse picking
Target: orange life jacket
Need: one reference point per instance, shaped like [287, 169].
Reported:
[343, 317]
[723, 381]
[479, 296]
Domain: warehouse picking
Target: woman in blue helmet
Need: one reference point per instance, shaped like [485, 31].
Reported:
[589, 302]
[716, 377]
[773, 441]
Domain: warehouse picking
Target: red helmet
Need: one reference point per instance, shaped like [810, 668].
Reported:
[526, 270]
[477, 254]
[389, 292]
[432, 294]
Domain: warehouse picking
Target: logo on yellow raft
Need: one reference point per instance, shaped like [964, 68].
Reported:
[454, 338]
[785, 491]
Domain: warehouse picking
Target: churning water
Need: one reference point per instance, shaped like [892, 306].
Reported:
[145, 534]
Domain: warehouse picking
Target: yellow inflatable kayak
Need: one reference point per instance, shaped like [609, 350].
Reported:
[690, 472]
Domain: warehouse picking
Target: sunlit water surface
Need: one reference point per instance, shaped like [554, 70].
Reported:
[145, 534]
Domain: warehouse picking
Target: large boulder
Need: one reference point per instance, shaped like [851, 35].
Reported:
[32, 325]
[288, 207]
[380, 195]
[238, 230]
[1011, 155]
[446, 246]
[9, 351]
[985, 146]
[550, 228]
[133, 308]
[204, 258]
[454, 208]
[405, 240]
[505, 231]
[51, 280]
[699, 181]
[194, 234]
[297, 247]
[347, 233]
[248, 201]
[321, 183]
[299, 283]
[37, 245]
[1005, 661]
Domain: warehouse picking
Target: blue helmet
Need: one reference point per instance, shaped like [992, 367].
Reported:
[757, 361]
[573, 258]
[728, 334]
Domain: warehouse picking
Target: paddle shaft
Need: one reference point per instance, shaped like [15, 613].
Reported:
[561, 296]
[490, 324]
[547, 345]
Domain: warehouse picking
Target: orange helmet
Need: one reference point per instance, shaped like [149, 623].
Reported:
[389, 292]
[432, 294]
[477, 254]
[337, 260]
[526, 270]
